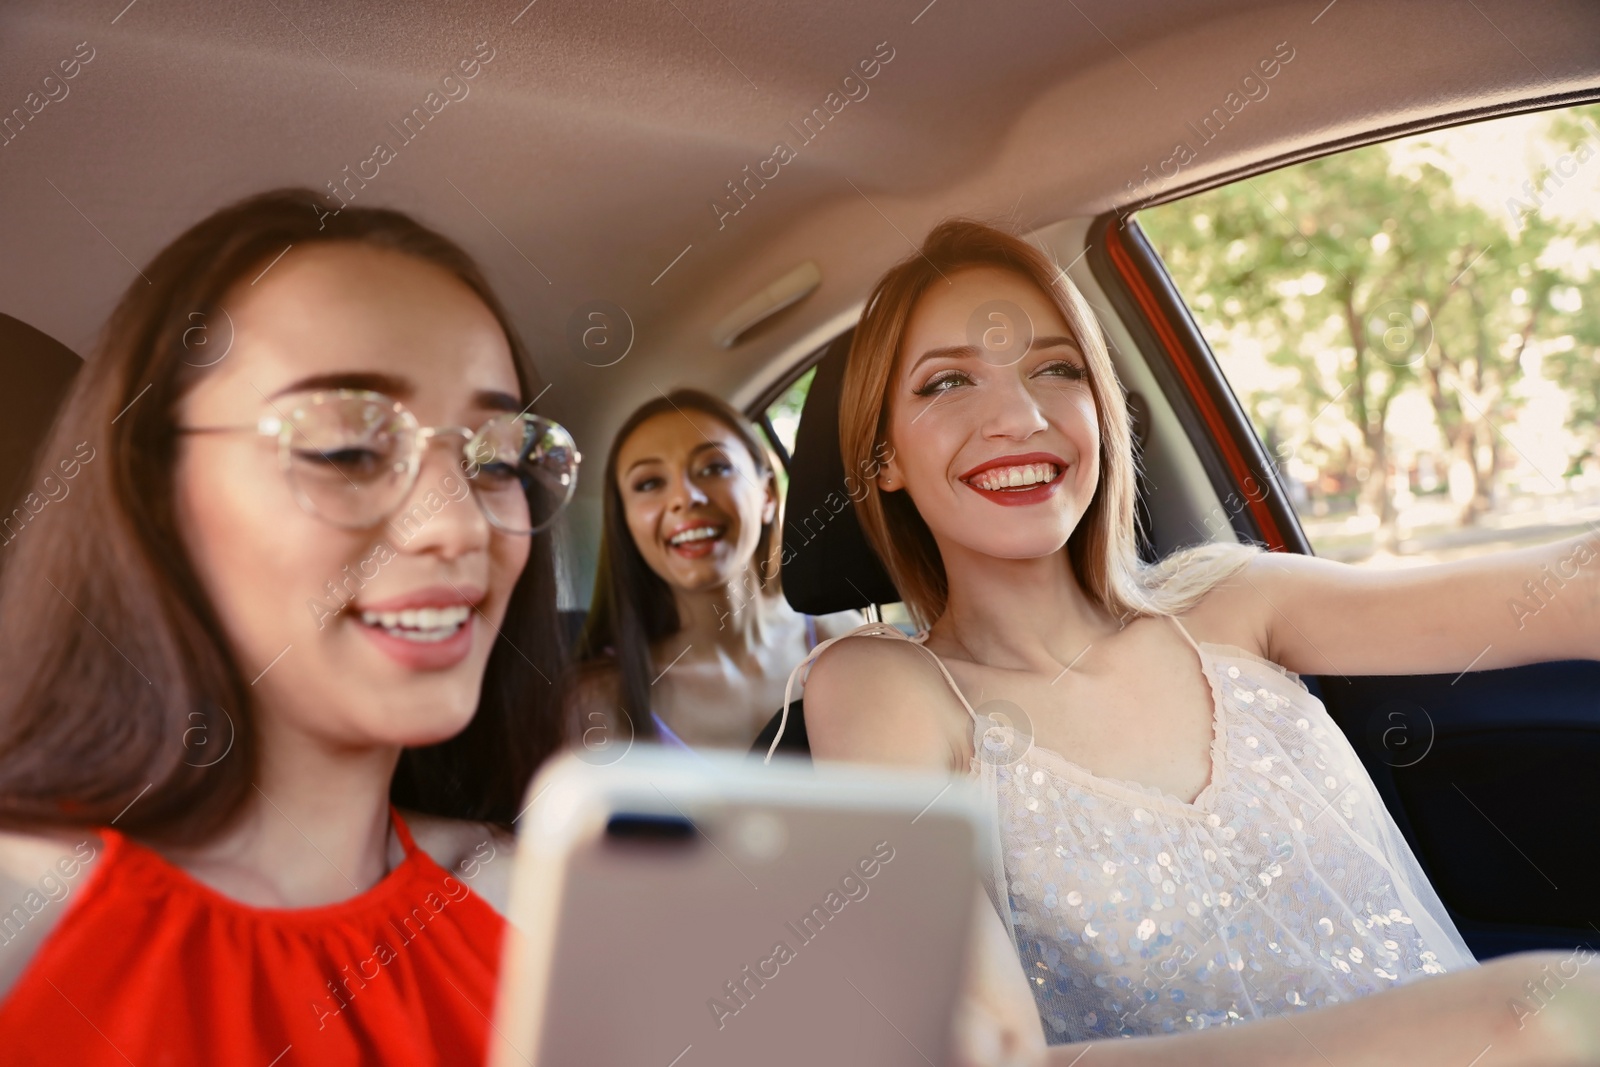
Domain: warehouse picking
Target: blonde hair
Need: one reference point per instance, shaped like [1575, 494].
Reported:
[1103, 548]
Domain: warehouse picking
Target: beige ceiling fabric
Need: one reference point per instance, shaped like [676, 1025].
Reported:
[669, 160]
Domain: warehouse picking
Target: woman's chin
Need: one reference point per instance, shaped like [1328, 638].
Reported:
[1014, 544]
[425, 726]
[701, 575]
[416, 716]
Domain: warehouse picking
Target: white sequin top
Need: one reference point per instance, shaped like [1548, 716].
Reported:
[1284, 885]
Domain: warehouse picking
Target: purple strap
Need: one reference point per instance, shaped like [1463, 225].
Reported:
[670, 739]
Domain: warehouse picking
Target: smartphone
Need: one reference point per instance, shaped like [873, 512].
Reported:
[674, 910]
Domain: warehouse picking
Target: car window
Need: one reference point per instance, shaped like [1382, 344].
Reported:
[1413, 330]
[781, 420]
[783, 414]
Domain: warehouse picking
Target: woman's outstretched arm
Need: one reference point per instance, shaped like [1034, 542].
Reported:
[1530, 1010]
[1505, 609]
[1471, 1018]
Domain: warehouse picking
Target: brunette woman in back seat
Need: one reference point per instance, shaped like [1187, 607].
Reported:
[688, 634]
[267, 619]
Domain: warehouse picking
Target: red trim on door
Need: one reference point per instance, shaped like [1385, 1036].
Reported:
[1178, 355]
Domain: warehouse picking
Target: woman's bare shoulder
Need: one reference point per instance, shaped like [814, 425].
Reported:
[476, 853]
[39, 872]
[594, 688]
[594, 679]
[27, 855]
[1236, 611]
[884, 700]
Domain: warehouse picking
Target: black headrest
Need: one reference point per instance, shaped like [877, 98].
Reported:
[35, 372]
[828, 565]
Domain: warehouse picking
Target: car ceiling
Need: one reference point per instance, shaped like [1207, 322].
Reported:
[583, 163]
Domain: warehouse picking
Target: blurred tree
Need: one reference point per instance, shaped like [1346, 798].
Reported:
[1575, 364]
[1484, 319]
[1368, 275]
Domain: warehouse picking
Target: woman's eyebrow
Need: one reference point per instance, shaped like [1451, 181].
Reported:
[392, 385]
[716, 445]
[947, 352]
[372, 381]
[693, 452]
[495, 400]
[968, 351]
[640, 463]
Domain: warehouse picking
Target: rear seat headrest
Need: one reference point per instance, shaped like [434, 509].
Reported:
[36, 371]
[828, 564]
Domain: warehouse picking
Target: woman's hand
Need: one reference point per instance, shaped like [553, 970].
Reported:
[1528, 1010]
[996, 1024]
[1551, 1000]
[980, 1039]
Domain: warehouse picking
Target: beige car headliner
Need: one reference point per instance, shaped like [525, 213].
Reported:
[585, 161]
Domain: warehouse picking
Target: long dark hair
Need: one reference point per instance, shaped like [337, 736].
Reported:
[111, 653]
[632, 607]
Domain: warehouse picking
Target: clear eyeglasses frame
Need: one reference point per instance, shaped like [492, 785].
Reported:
[352, 458]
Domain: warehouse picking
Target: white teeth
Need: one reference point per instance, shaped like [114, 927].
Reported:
[698, 533]
[424, 625]
[1013, 477]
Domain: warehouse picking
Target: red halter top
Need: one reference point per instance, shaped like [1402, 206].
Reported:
[153, 968]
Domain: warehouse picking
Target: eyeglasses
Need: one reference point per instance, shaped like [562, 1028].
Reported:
[352, 457]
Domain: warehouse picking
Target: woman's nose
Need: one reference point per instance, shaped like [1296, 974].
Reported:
[437, 515]
[685, 494]
[1013, 411]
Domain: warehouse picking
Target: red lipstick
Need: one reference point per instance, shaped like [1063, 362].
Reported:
[1016, 497]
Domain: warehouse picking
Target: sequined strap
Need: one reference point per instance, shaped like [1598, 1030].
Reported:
[871, 629]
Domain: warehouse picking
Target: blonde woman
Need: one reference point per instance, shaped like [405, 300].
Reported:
[1187, 841]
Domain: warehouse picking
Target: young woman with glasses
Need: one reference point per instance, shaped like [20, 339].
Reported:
[274, 685]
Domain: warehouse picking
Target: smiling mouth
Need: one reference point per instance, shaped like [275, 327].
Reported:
[1018, 479]
[425, 626]
[696, 535]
